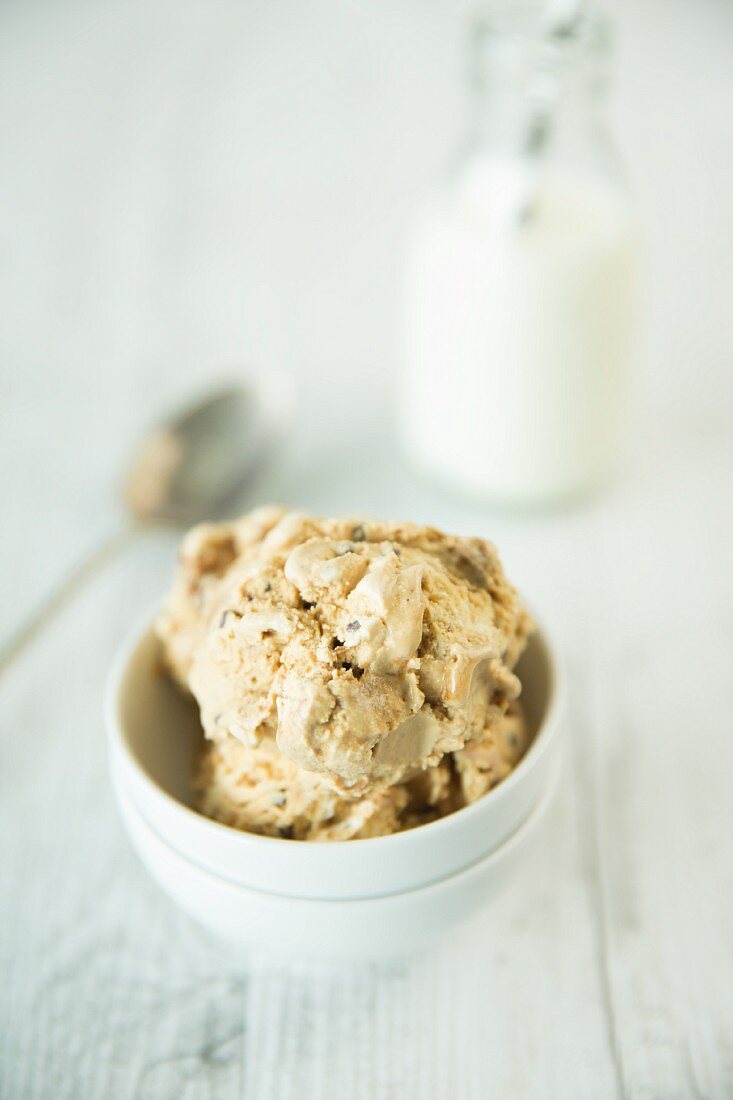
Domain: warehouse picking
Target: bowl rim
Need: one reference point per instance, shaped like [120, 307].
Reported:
[515, 840]
[121, 751]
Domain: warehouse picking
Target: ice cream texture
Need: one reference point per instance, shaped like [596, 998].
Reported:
[354, 677]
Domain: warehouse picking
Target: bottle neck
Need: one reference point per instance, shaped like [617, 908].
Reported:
[511, 122]
[534, 91]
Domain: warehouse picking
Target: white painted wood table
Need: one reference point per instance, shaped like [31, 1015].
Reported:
[185, 185]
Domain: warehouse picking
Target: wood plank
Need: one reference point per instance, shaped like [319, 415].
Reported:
[663, 757]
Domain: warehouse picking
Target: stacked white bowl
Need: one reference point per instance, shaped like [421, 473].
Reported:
[378, 897]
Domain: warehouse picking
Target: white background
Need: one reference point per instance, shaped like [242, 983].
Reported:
[188, 186]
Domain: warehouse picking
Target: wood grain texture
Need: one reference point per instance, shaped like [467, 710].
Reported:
[151, 231]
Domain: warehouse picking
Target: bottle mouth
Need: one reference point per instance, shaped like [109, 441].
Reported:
[513, 43]
[512, 36]
[529, 18]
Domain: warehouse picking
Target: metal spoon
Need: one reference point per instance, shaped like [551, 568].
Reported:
[191, 468]
[201, 459]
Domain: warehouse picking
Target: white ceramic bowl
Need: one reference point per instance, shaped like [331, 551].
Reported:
[338, 930]
[154, 737]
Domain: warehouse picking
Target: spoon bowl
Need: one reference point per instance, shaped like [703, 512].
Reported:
[190, 467]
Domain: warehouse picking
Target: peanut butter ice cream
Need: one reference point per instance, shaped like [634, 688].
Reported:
[354, 677]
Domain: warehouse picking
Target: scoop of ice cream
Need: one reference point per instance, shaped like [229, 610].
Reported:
[367, 650]
[261, 790]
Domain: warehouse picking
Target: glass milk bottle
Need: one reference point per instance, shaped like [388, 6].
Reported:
[521, 287]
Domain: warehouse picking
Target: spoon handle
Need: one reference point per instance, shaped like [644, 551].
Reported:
[73, 582]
